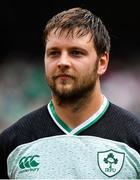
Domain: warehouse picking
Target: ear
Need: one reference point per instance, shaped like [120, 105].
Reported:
[103, 63]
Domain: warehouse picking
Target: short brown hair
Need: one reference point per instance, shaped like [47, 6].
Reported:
[86, 22]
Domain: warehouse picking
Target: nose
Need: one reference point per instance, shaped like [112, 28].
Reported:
[64, 61]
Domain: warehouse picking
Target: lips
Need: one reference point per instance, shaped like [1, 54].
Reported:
[63, 76]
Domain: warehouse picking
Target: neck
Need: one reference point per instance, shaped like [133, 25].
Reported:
[75, 113]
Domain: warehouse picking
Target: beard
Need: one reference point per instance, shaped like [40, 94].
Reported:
[74, 89]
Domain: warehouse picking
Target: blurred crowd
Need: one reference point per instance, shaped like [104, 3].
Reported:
[23, 88]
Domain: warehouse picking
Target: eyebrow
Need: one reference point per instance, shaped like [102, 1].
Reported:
[73, 47]
[52, 49]
[78, 48]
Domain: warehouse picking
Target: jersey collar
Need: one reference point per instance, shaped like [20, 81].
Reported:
[86, 124]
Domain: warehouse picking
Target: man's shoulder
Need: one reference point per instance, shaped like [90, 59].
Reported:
[123, 126]
[27, 121]
[121, 112]
[28, 128]
[34, 114]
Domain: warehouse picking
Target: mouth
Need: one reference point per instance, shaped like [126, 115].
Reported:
[63, 76]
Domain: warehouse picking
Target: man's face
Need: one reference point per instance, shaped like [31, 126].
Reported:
[71, 65]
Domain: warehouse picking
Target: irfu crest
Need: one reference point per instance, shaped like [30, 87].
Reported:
[110, 162]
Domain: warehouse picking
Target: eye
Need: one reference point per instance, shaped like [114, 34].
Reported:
[76, 53]
[53, 53]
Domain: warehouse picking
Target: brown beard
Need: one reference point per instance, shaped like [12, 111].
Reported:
[78, 94]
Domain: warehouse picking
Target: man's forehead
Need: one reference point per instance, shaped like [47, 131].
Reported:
[75, 33]
[69, 42]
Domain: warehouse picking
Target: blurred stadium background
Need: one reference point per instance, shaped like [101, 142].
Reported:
[22, 83]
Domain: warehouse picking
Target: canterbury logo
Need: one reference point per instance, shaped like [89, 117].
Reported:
[29, 162]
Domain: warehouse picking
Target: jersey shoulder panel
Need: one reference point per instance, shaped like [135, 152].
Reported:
[117, 124]
[122, 112]
[24, 130]
[35, 125]
[27, 121]
[23, 127]
[125, 125]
